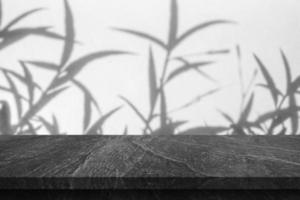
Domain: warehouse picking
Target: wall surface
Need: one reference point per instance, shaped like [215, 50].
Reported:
[262, 27]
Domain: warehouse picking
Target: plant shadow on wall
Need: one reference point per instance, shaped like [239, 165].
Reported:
[36, 98]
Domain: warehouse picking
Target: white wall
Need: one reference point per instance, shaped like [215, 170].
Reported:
[263, 27]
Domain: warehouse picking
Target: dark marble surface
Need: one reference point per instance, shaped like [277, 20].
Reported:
[144, 162]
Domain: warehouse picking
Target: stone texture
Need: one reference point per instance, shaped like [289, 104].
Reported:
[145, 162]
